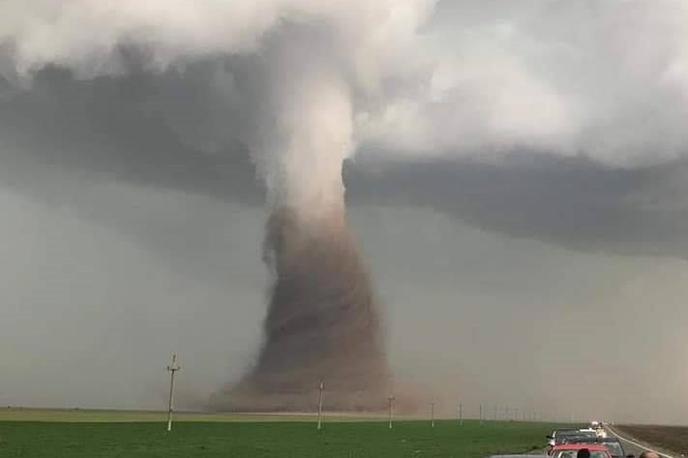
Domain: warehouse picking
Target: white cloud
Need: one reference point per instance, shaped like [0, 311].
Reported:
[607, 79]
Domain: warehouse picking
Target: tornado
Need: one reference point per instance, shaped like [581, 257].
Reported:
[323, 323]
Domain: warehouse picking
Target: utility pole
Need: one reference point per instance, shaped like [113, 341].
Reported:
[391, 401]
[174, 367]
[460, 414]
[481, 414]
[320, 396]
[496, 412]
[432, 414]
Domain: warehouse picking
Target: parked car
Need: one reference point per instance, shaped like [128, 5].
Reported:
[601, 432]
[570, 436]
[571, 450]
[557, 434]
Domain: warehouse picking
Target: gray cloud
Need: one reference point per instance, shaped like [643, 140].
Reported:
[573, 202]
[110, 128]
[149, 130]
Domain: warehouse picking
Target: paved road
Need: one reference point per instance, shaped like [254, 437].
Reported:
[631, 447]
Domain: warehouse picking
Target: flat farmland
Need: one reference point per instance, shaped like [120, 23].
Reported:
[674, 438]
[255, 439]
[108, 416]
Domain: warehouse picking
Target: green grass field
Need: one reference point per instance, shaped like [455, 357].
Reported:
[118, 416]
[253, 439]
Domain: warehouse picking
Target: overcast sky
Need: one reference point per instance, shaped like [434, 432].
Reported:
[517, 183]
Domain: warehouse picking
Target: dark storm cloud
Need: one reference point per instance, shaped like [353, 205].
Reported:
[158, 131]
[573, 202]
[112, 128]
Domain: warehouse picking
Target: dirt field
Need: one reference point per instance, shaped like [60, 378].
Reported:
[674, 438]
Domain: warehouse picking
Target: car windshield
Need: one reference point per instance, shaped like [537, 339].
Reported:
[563, 432]
[573, 453]
[575, 438]
[614, 448]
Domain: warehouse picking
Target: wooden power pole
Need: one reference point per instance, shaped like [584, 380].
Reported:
[391, 401]
[174, 367]
[320, 398]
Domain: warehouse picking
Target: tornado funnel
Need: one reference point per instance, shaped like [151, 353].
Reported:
[323, 323]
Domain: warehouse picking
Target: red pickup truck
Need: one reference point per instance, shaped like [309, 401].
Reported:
[571, 450]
